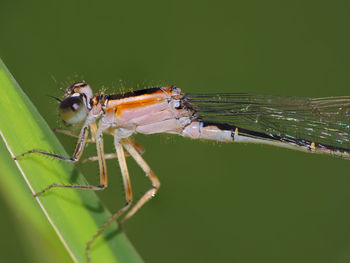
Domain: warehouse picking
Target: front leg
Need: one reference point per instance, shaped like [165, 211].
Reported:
[76, 156]
[108, 156]
[77, 153]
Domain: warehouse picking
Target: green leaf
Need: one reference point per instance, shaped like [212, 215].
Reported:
[75, 215]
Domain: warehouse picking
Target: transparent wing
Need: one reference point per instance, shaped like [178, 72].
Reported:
[322, 120]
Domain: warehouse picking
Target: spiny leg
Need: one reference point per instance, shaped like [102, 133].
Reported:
[149, 173]
[77, 152]
[128, 193]
[108, 156]
[76, 156]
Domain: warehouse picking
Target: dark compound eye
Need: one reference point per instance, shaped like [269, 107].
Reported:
[73, 109]
[72, 103]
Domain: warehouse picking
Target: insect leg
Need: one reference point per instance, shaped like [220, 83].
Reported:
[70, 133]
[128, 193]
[108, 156]
[93, 129]
[102, 165]
[77, 153]
[129, 146]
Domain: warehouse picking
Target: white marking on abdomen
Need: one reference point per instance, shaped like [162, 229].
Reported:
[196, 130]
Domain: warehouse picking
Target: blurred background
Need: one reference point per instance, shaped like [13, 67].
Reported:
[218, 202]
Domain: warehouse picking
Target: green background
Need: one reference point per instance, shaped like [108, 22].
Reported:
[217, 202]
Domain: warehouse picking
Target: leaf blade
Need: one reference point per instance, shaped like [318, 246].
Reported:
[76, 214]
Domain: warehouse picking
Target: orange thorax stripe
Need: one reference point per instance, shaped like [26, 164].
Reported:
[118, 105]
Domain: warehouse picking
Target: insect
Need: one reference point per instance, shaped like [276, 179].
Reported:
[318, 125]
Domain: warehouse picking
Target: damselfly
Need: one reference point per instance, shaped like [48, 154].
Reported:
[319, 125]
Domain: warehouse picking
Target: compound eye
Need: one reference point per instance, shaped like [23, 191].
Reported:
[73, 110]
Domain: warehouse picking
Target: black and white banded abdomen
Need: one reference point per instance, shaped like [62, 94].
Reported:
[230, 133]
